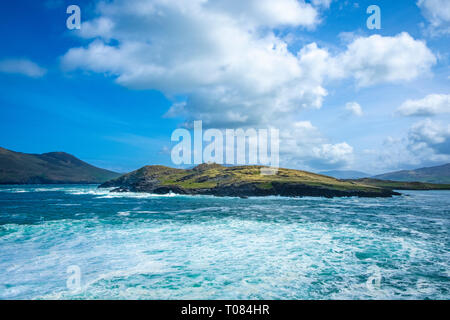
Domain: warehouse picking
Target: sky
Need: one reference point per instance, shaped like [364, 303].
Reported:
[342, 95]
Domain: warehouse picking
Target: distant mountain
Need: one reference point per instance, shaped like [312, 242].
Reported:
[48, 168]
[439, 174]
[345, 174]
[401, 185]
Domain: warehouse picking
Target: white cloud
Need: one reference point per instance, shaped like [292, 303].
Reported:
[377, 59]
[333, 154]
[430, 134]
[225, 57]
[354, 108]
[22, 66]
[426, 143]
[268, 12]
[437, 13]
[304, 146]
[232, 74]
[432, 104]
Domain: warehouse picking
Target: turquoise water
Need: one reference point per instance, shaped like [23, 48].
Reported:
[139, 246]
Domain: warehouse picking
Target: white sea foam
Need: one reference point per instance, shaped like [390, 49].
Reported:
[14, 190]
[146, 211]
[105, 193]
[321, 249]
[136, 195]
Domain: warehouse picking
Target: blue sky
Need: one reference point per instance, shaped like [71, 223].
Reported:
[103, 93]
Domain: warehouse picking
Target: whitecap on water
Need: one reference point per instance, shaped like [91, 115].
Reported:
[13, 190]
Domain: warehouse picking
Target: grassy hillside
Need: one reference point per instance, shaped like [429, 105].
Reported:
[345, 174]
[240, 180]
[401, 185]
[438, 174]
[208, 176]
[54, 167]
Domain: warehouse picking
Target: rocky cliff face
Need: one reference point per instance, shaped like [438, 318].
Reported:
[242, 181]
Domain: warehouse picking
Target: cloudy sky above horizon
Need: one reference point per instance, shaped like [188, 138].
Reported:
[342, 96]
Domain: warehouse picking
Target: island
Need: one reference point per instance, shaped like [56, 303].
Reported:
[240, 181]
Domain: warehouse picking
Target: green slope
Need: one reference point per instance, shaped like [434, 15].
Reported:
[239, 181]
[402, 185]
[48, 168]
[345, 174]
[438, 174]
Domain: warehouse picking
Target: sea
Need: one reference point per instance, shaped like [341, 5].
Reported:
[81, 242]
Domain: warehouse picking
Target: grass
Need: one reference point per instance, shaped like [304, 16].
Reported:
[215, 175]
[400, 185]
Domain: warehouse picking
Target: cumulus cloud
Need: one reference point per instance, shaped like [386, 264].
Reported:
[22, 66]
[430, 134]
[333, 155]
[377, 59]
[267, 12]
[304, 146]
[354, 108]
[431, 105]
[227, 59]
[427, 142]
[233, 75]
[229, 71]
[437, 13]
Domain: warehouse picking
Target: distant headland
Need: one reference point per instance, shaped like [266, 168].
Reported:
[205, 179]
[240, 181]
[49, 168]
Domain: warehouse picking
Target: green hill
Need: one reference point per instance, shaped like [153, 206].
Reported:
[345, 174]
[240, 181]
[48, 168]
[438, 174]
[402, 185]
